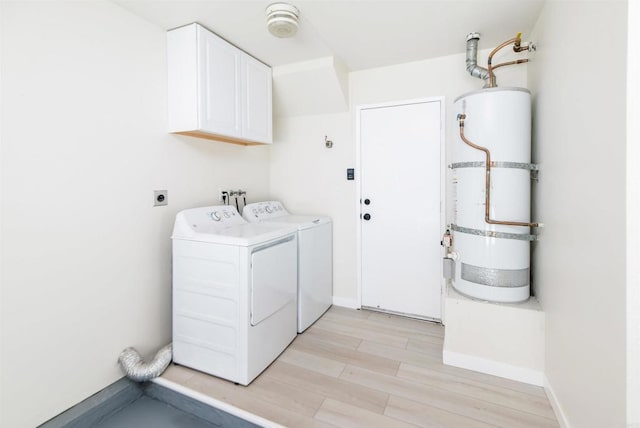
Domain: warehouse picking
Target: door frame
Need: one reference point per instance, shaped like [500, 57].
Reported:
[358, 183]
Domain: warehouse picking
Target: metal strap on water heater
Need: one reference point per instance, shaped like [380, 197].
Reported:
[495, 277]
[480, 164]
[492, 234]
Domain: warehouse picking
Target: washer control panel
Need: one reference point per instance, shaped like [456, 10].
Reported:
[258, 211]
[209, 219]
[224, 214]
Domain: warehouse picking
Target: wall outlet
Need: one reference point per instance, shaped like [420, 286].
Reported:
[160, 198]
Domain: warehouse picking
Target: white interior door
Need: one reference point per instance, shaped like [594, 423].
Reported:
[400, 184]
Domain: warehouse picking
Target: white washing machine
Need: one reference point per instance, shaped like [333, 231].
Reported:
[234, 292]
[315, 257]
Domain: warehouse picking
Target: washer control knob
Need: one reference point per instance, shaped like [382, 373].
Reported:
[215, 216]
[268, 209]
[367, 216]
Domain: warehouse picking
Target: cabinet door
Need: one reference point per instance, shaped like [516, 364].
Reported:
[256, 95]
[219, 81]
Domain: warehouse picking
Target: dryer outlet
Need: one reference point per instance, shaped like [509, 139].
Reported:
[160, 198]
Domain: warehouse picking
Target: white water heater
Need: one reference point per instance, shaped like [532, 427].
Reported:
[492, 255]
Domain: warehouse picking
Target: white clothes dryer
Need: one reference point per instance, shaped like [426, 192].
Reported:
[315, 256]
[234, 292]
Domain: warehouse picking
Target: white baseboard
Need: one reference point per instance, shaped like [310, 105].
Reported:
[495, 368]
[346, 303]
[555, 404]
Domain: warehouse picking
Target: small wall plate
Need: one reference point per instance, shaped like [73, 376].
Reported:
[160, 198]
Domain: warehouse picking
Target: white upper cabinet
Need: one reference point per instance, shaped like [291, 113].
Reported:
[219, 77]
[217, 91]
[256, 100]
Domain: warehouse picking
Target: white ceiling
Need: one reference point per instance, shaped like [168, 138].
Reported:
[361, 33]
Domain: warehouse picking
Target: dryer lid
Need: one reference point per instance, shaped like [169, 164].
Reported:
[299, 221]
[274, 212]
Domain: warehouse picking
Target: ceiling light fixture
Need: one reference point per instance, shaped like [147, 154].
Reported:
[282, 20]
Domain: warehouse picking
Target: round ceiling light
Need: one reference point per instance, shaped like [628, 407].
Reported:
[282, 19]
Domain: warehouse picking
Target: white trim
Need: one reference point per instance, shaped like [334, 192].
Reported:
[210, 401]
[358, 210]
[495, 368]
[555, 404]
[632, 214]
[346, 303]
[443, 203]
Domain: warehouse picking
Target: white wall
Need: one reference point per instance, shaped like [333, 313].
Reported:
[85, 256]
[478, 338]
[578, 80]
[310, 178]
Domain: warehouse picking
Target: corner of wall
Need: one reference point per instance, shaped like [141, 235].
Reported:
[555, 404]
[294, 96]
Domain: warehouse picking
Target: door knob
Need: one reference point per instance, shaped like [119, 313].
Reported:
[367, 216]
[367, 201]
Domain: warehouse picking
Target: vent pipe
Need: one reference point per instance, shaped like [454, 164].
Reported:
[472, 58]
[140, 371]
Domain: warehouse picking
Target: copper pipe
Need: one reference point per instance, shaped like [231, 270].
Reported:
[487, 193]
[492, 78]
[502, 64]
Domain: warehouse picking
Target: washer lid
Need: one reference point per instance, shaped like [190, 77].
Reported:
[223, 224]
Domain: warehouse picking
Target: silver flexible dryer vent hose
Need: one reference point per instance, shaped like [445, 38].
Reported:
[139, 371]
[472, 58]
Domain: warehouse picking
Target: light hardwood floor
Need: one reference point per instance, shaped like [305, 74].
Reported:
[356, 368]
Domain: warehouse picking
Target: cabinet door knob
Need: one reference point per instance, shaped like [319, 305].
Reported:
[367, 216]
[367, 201]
